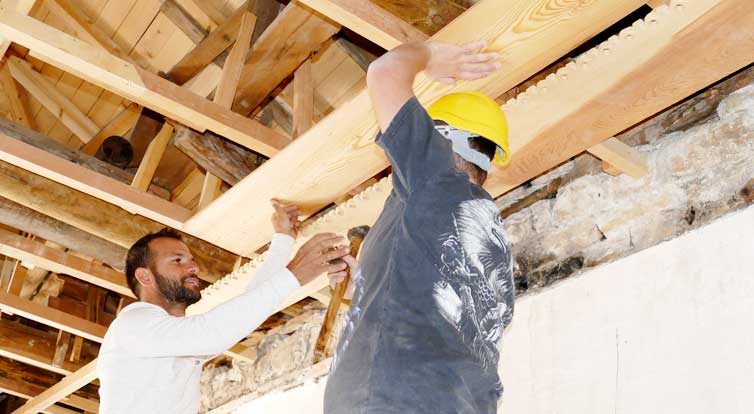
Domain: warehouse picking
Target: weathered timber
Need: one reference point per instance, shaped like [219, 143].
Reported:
[33, 381]
[100, 218]
[224, 159]
[10, 129]
[28, 220]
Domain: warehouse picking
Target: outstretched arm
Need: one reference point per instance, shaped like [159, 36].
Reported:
[390, 78]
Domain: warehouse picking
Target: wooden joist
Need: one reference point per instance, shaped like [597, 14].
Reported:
[343, 141]
[52, 99]
[674, 52]
[97, 217]
[55, 260]
[118, 126]
[62, 389]
[51, 317]
[369, 20]
[303, 99]
[124, 78]
[152, 157]
[295, 34]
[620, 156]
[23, 7]
[19, 110]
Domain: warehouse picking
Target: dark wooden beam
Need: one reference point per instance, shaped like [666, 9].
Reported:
[33, 381]
[224, 159]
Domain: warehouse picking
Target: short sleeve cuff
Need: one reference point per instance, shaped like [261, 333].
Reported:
[395, 125]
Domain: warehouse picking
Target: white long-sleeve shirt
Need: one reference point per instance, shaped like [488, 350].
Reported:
[150, 362]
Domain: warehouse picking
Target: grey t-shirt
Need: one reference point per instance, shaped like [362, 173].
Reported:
[433, 292]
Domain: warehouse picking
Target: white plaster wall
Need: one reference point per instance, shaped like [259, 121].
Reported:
[667, 330]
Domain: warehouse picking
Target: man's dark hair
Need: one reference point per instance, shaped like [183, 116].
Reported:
[139, 255]
[477, 143]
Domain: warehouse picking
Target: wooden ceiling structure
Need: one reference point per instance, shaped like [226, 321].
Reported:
[220, 126]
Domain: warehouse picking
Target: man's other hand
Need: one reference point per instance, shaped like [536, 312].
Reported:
[285, 218]
[314, 257]
[338, 277]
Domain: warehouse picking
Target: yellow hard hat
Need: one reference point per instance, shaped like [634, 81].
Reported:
[477, 113]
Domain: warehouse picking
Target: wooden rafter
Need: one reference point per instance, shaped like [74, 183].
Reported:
[55, 260]
[152, 157]
[19, 110]
[294, 35]
[344, 140]
[23, 7]
[620, 156]
[369, 20]
[109, 72]
[118, 126]
[303, 99]
[65, 387]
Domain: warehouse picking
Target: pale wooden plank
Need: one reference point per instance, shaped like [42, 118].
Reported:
[369, 20]
[624, 158]
[23, 7]
[152, 157]
[55, 102]
[119, 126]
[18, 108]
[303, 99]
[210, 190]
[226, 89]
[343, 141]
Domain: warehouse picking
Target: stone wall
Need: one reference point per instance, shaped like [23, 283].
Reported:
[576, 217]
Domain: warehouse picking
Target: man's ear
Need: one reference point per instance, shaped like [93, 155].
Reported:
[144, 276]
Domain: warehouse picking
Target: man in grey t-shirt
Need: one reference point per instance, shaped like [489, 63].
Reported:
[433, 290]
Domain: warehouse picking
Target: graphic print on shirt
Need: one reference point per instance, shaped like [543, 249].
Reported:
[475, 293]
[354, 313]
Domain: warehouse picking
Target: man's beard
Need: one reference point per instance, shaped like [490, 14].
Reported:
[174, 291]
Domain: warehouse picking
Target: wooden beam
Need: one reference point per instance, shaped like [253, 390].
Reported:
[295, 34]
[118, 126]
[621, 156]
[65, 387]
[369, 20]
[343, 141]
[51, 317]
[52, 99]
[222, 158]
[176, 14]
[99, 218]
[55, 260]
[26, 381]
[109, 72]
[303, 99]
[61, 348]
[152, 157]
[188, 191]
[208, 49]
[87, 181]
[23, 7]
[656, 3]
[23, 218]
[210, 190]
[226, 90]
[19, 111]
[675, 52]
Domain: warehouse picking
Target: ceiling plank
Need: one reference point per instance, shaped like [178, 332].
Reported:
[343, 141]
[19, 111]
[55, 260]
[675, 52]
[62, 389]
[369, 20]
[296, 33]
[621, 156]
[109, 72]
[52, 317]
[52, 99]
[99, 218]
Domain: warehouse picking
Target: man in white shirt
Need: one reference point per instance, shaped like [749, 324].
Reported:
[152, 355]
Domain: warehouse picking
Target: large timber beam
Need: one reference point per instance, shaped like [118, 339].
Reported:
[528, 41]
[51, 317]
[97, 217]
[674, 52]
[34, 347]
[25, 219]
[295, 34]
[128, 80]
[62, 389]
[58, 261]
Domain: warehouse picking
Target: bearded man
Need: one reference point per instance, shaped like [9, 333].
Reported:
[152, 355]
